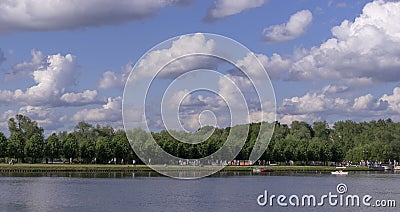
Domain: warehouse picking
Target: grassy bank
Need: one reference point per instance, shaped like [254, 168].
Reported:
[130, 168]
[70, 168]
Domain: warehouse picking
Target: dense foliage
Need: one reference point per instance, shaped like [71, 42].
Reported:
[86, 144]
[301, 143]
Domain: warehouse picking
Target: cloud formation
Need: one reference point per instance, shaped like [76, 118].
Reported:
[109, 112]
[112, 79]
[54, 80]
[296, 26]
[48, 118]
[233, 102]
[393, 100]
[27, 67]
[276, 66]
[224, 8]
[77, 99]
[27, 15]
[174, 56]
[361, 52]
[317, 106]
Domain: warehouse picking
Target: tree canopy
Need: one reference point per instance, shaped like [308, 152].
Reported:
[300, 142]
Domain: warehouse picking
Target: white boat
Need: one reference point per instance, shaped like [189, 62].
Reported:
[396, 166]
[388, 167]
[340, 172]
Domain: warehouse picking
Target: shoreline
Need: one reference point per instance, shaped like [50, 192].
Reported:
[143, 168]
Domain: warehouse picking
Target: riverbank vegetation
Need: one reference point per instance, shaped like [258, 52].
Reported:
[302, 143]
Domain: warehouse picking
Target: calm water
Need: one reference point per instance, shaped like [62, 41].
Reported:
[125, 192]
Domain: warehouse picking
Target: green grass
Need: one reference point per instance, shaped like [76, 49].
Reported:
[70, 167]
[129, 168]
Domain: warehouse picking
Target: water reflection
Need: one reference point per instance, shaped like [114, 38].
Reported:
[190, 174]
[144, 191]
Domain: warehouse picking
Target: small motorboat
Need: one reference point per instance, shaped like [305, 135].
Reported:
[388, 167]
[340, 172]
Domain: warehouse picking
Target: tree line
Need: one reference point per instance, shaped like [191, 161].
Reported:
[300, 142]
[86, 144]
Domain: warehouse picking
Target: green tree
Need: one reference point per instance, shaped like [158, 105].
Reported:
[289, 151]
[280, 131]
[301, 151]
[374, 140]
[321, 130]
[103, 131]
[301, 130]
[313, 150]
[15, 148]
[357, 154]
[121, 147]
[193, 151]
[84, 130]
[325, 153]
[337, 152]
[34, 147]
[25, 129]
[70, 147]
[180, 151]
[347, 133]
[53, 147]
[3, 145]
[103, 150]
[24, 125]
[88, 150]
[278, 152]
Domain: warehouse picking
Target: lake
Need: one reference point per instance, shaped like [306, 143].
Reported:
[225, 191]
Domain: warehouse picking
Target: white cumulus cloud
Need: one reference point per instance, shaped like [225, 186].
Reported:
[109, 112]
[224, 8]
[85, 97]
[183, 46]
[315, 106]
[46, 117]
[54, 80]
[361, 52]
[393, 100]
[296, 26]
[112, 79]
[276, 66]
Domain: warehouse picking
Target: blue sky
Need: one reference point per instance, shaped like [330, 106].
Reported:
[66, 61]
